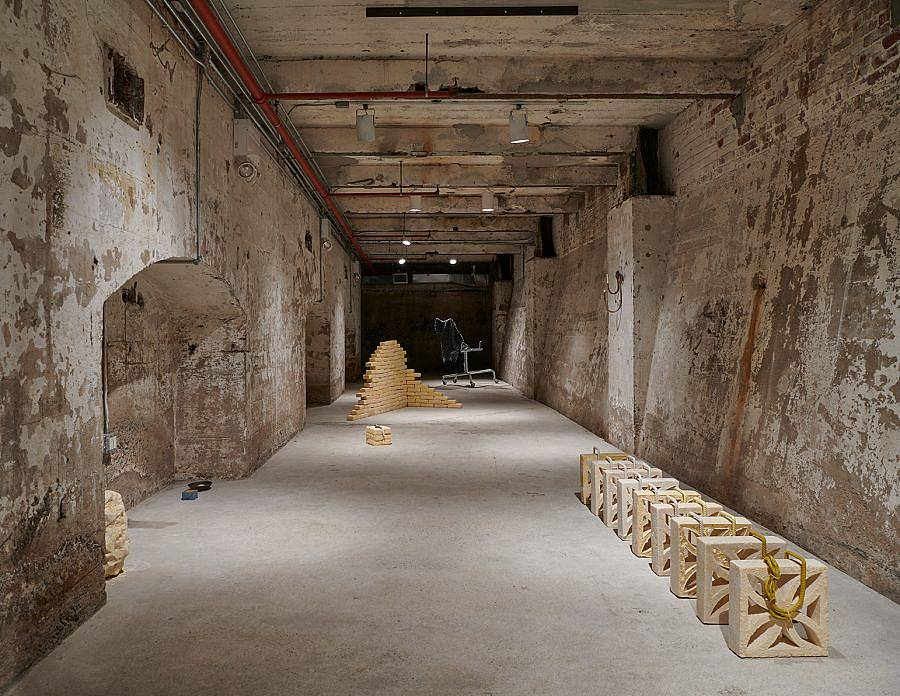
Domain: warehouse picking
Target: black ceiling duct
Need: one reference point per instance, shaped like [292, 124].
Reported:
[475, 11]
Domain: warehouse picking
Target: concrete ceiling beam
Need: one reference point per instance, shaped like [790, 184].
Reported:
[376, 249]
[517, 77]
[470, 139]
[473, 160]
[431, 224]
[469, 236]
[481, 176]
[456, 205]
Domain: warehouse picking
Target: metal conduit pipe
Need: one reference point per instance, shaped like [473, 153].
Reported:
[210, 21]
[233, 84]
[264, 80]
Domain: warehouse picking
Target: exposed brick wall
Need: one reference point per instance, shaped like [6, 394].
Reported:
[775, 372]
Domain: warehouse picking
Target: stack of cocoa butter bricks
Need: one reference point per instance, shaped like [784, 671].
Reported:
[390, 385]
[378, 435]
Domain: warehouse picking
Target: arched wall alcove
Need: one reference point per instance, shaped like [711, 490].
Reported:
[175, 379]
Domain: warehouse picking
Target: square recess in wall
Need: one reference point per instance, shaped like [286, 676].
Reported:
[124, 88]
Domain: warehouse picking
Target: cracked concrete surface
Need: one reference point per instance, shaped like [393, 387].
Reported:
[457, 560]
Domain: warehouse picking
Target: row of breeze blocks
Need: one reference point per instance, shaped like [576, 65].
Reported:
[610, 490]
[626, 487]
[585, 469]
[641, 520]
[712, 556]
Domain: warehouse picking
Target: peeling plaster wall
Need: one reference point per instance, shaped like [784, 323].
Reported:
[554, 344]
[770, 379]
[516, 364]
[571, 373]
[326, 331]
[141, 381]
[89, 201]
[775, 376]
[407, 312]
[501, 297]
[640, 236]
[353, 326]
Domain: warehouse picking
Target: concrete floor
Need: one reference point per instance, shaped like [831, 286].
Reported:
[456, 561]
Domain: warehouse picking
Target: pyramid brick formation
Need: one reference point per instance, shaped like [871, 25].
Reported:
[391, 385]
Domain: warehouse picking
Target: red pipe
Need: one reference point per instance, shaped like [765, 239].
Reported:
[208, 16]
[357, 96]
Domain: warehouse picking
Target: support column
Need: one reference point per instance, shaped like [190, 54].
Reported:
[640, 231]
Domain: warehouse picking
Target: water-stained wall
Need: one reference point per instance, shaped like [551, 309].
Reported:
[176, 380]
[773, 378]
[90, 199]
[326, 328]
[571, 372]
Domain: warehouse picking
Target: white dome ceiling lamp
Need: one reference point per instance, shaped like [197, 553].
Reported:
[365, 125]
[487, 202]
[518, 126]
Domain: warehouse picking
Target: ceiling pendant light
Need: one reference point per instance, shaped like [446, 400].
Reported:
[518, 125]
[401, 261]
[452, 262]
[406, 242]
[487, 202]
[415, 204]
[365, 125]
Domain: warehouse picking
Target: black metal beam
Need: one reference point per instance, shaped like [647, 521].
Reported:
[474, 11]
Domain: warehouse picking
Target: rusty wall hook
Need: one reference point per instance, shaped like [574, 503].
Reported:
[620, 278]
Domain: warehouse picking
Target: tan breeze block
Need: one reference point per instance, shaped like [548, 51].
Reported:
[684, 532]
[714, 557]
[641, 523]
[624, 498]
[390, 385]
[610, 489]
[753, 632]
[378, 435]
[584, 469]
[598, 468]
[661, 515]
